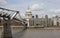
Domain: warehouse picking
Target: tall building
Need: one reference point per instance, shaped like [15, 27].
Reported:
[46, 20]
[32, 16]
[36, 16]
[46, 16]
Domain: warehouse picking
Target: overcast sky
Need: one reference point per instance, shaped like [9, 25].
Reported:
[40, 7]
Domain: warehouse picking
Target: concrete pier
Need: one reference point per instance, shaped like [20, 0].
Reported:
[7, 29]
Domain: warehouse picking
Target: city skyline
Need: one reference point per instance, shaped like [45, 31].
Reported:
[40, 7]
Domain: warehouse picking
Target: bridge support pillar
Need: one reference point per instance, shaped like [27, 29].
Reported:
[7, 28]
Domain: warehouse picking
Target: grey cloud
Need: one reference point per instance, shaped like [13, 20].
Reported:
[3, 2]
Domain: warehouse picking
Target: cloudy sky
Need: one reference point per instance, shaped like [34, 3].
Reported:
[40, 7]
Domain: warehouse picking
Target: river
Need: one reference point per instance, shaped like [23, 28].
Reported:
[34, 33]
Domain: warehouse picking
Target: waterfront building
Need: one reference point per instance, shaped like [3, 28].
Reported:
[36, 22]
[56, 21]
[41, 22]
[31, 21]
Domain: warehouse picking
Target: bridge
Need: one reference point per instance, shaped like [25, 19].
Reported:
[7, 15]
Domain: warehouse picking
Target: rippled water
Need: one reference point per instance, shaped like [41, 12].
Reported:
[34, 33]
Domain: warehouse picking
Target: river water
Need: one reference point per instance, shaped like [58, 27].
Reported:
[34, 33]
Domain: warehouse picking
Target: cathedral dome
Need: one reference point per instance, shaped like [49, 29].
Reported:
[28, 14]
[28, 11]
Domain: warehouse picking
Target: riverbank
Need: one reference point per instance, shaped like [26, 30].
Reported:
[32, 27]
